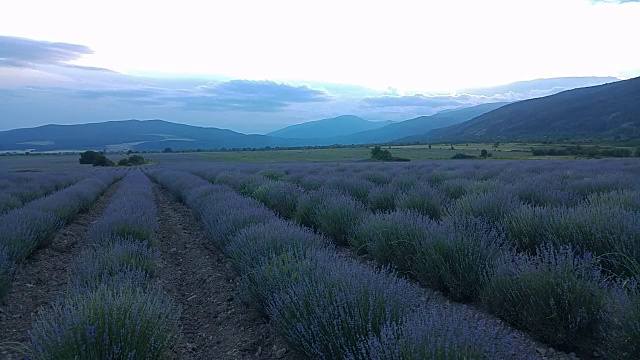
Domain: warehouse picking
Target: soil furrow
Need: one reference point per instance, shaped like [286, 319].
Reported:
[215, 322]
[42, 278]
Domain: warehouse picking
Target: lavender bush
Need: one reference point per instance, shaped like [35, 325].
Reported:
[224, 214]
[335, 216]
[390, 237]
[329, 313]
[22, 231]
[623, 331]
[118, 320]
[252, 244]
[93, 266]
[557, 296]
[356, 187]
[382, 198]
[625, 199]
[442, 332]
[456, 255]
[610, 233]
[281, 197]
[131, 213]
[491, 206]
[455, 188]
[424, 199]
[7, 268]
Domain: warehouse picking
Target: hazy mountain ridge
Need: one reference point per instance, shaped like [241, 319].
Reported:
[140, 134]
[327, 128]
[419, 125]
[599, 111]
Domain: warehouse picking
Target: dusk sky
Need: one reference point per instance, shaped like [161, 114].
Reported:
[255, 66]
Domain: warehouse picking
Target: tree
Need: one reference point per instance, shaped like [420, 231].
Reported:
[484, 153]
[88, 157]
[136, 160]
[167, 150]
[378, 153]
[101, 160]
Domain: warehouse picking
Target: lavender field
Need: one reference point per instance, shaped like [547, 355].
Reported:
[420, 260]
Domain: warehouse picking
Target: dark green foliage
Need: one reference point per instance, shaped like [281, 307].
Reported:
[167, 150]
[578, 150]
[460, 156]
[133, 160]
[377, 153]
[95, 158]
[484, 153]
[88, 157]
[102, 160]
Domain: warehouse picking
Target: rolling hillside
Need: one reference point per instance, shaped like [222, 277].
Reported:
[132, 134]
[419, 125]
[326, 128]
[599, 111]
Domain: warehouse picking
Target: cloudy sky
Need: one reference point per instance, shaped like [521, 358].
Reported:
[255, 66]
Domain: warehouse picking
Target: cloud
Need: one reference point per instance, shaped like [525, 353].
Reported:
[253, 96]
[234, 95]
[613, 1]
[19, 52]
[417, 100]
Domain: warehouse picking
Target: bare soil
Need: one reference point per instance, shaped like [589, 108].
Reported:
[215, 323]
[42, 278]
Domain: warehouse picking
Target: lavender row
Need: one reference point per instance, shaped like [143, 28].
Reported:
[24, 230]
[329, 306]
[601, 216]
[18, 189]
[112, 310]
[469, 258]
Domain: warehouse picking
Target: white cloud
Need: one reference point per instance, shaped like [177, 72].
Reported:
[409, 45]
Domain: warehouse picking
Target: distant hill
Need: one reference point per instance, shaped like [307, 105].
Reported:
[326, 128]
[599, 111]
[419, 125]
[133, 134]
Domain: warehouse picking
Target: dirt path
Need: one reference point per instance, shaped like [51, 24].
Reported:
[215, 323]
[42, 278]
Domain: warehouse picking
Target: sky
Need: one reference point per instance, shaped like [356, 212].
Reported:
[256, 66]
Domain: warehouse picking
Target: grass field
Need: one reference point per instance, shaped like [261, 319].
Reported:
[510, 151]
[505, 151]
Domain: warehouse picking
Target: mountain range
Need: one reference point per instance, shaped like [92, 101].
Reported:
[327, 128]
[602, 111]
